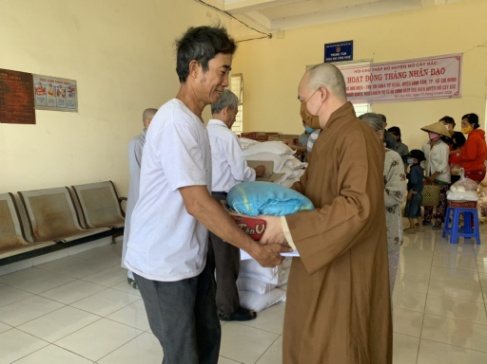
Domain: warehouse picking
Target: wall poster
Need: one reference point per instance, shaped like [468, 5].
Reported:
[16, 98]
[58, 94]
[409, 80]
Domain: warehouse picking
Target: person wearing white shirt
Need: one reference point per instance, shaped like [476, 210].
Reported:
[229, 167]
[136, 147]
[168, 242]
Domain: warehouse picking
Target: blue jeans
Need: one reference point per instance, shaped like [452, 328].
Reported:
[413, 206]
[183, 317]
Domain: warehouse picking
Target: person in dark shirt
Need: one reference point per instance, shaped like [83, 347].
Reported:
[415, 188]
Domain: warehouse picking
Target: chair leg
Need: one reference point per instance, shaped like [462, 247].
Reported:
[454, 228]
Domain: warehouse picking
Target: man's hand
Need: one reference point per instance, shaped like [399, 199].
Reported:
[269, 255]
[273, 231]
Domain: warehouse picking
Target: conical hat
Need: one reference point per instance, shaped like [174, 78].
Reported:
[438, 128]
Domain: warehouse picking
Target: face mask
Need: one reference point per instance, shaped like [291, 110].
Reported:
[433, 136]
[410, 161]
[310, 120]
[309, 129]
[467, 129]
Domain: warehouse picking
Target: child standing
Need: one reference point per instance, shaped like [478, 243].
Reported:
[415, 188]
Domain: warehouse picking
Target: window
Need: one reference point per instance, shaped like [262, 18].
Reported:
[236, 86]
[361, 109]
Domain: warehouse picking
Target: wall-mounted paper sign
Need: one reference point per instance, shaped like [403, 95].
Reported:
[16, 99]
[53, 93]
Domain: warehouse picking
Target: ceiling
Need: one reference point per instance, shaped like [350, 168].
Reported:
[278, 15]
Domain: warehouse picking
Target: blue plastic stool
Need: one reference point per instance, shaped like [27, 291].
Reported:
[452, 224]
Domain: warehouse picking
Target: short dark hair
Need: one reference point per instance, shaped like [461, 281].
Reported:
[394, 130]
[458, 140]
[201, 44]
[448, 120]
[472, 119]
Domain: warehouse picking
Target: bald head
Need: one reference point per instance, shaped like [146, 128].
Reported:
[147, 116]
[322, 91]
[329, 76]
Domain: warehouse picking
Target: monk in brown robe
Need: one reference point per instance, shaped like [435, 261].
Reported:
[338, 302]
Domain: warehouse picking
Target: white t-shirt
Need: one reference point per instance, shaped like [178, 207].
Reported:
[166, 243]
[228, 163]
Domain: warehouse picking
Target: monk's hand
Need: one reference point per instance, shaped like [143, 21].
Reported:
[273, 231]
[268, 255]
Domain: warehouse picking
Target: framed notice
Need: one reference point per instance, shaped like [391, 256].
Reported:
[339, 52]
[16, 98]
[53, 93]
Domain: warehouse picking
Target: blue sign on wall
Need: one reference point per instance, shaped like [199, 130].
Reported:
[337, 52]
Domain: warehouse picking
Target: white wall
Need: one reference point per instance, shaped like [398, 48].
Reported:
[121, 54]
[272, 68]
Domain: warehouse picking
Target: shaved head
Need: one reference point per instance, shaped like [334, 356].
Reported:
[329, 76]
[147, 116]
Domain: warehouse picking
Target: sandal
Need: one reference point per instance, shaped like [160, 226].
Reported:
[242, 314]
[132, 283]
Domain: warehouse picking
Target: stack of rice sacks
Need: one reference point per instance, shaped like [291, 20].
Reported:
[260, 287]
[278, 152]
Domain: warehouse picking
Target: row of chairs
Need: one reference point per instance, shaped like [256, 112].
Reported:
[41, 218]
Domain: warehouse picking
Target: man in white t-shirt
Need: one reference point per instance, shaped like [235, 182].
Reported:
[229, 167]
[168, 241]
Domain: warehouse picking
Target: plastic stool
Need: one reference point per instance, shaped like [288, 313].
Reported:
[467, 231]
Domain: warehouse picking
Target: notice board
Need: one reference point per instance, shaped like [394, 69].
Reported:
[16, 97]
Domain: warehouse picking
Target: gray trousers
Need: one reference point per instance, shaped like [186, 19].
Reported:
[227, 266]
[183, 317]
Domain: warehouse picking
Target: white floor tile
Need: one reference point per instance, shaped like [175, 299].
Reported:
[53, 355]
[409, 300]
[28, 309]
[35, 280]
[439, 311]
[132, 315]
[270, 319]
[108, 277]
[73, 267]
[72, 291]
[10, 295]
[145, 347]
[15, 344]
[431, 352]
[456, 308]
[106, 302]
[407, 322]
[244, 343]
[58, 324]
[98, 339]
[412, 282]
[272, 355]
[455, 332]
[4, 327]
[405, 349]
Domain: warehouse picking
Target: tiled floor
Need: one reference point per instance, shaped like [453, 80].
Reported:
[80, 310]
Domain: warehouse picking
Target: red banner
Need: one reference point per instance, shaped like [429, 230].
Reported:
[409, 80]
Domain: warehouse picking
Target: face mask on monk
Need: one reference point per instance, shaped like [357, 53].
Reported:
[310, 120]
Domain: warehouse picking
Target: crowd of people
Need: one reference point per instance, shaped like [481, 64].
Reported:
[178, 236]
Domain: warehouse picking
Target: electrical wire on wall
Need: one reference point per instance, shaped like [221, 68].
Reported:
[266, 35]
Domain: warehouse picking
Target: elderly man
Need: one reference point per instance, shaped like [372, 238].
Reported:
[228, 168]
[168, 242]
[136, 147]
[338, 302]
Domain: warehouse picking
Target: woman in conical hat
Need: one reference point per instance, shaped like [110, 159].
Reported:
[437, 170]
